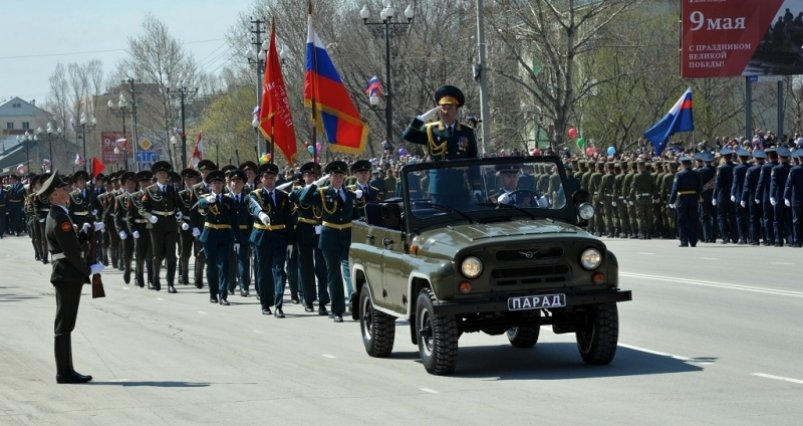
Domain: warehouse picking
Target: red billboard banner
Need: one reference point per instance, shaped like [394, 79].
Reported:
[108, 142]
[724, 38]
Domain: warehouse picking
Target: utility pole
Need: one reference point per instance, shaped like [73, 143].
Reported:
[259, 61]
[183, 94]
[481, 76]
[130, 82]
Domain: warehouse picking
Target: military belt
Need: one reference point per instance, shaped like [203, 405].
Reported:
[44, 210]
[216, 225]
[269, 227]
[309, 221]
[645, 194]
[687, 192]
[80, 213]
[57, 256]
[338, 226]
[14, 201]
[243, 226]
[140, 221]
[160, 213]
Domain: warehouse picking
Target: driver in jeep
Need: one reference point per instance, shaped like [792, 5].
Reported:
[509, 191]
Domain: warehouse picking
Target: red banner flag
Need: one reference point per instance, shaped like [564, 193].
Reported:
[275, 120]
[97, 167]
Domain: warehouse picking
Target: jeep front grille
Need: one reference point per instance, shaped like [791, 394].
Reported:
[544, 274]
[529, 253]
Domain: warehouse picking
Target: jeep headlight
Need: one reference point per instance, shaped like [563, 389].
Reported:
[586, 211]
[471, 267]
[590, 259]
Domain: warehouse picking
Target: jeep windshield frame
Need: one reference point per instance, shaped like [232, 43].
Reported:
[459, 180]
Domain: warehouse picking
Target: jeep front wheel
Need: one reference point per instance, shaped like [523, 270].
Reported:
[525, 336]
[437, 336]
[598, 337]
[378, 328]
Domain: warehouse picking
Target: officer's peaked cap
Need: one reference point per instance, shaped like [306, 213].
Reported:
[268, 168]
[449, 95]
[361, 166]
[207, 165]
[161, 166]
[337, 167]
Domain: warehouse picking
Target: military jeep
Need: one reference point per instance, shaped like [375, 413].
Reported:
[491, 245]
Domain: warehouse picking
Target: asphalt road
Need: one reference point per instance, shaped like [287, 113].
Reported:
[712, 336]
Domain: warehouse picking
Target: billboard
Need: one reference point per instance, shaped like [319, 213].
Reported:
[725, 38]
[109, 141]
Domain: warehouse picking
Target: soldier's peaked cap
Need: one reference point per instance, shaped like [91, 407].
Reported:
[227, 168]
[161, 166]
[80, 174]
[268, 168]
[144, 175]
[337, 167]
[249, 165]
[311, 167]
[50, 185]
[207, 165]
[361, 166]
[784, 152]
[237, 174]
[215, 175]
[128, 176]
[449, 95]
[189, 173]
[759, 154]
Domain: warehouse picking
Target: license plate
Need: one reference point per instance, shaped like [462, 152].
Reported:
[541, 301]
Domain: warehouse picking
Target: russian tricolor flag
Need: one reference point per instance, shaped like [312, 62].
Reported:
[678, 119]
[374, 87]
[332, 109]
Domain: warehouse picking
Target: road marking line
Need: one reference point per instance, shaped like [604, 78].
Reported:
[709, 258]
[125, 288]
[665, 354]
[781, 378]
[329, 356]
[428, 390]
[714, 284]
[782, 263]
[646, 252]
[159, 298]
[257, 331]
[202, 312]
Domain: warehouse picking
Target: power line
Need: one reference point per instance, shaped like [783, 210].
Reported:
[84, 52]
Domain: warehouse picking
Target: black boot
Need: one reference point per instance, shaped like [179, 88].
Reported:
[65, 372]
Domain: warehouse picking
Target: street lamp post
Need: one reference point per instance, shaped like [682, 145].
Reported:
[388, 28]
[258, 62]
[121, 105]
[25, 139]
[50, 132]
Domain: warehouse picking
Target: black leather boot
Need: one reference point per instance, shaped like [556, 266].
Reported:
[64, 369]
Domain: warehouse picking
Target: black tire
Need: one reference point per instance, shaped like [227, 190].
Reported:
[597, 339]
[378, 329]
[525, 336]
[437, 336]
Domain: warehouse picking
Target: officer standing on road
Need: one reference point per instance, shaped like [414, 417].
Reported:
[139, 230]
[763, 196]
[311, 264]
[739, 174]
[15, 199]
[188, 243]
[122, 225]
[749, 200]
[642, 193]
[220, 235]
[447, 139]
[726, 215]
[70, 272]
[706, 213]
[686, 190]
[242, 257]
[793, 197]
[783, 217]
[160, 205]
[337, 205]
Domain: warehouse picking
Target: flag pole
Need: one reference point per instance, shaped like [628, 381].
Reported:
[314, 97]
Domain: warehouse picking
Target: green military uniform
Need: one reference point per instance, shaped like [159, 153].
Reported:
[606, 191]
[594, 188]
[160, 206]
[643, 192]
[658, 218]
[666, 192]
[622, 221]
[140, 230]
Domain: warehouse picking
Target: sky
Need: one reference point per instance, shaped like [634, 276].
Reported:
[38, 34]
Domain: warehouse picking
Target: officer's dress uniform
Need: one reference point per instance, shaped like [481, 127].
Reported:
[793, 195]
[160, 205]
[201, 189]
[338, 210]
[221, 230]
[15, 200]
[739, 174]
[3, 214]
[686, 191]
[106, 202]
[783, 215]
[270, 243]
[122, 206]
[706, 214]
[42, 208]
[726, 214]
[188, 244]
[142, 240]
[242, 272]
[311, 264]
[755, 210]
[642, 192]
[763, 195]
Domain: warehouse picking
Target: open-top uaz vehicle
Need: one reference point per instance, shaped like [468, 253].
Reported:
[492, 245]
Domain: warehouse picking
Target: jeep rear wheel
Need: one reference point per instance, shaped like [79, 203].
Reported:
[598, 337]
[378, 328]
[525, 336]
[437, 336]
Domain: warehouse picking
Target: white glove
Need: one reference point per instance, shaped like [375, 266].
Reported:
[94, 212]
[733, 198]
[196, 232]
[503, 199]
[289, 250]
[671, 206]
[153, 219]
[787, 203]
[96, 268]
[755, 200]
[85, 227]
[179, 215]
[358, 193]
[321, 180]
[772, 201]
[542, 202]
[630, 202]
[318, 229]
[122, 235]
[477, 194]
[714, 202]
[41, 221]
[185, 226]
[135, 234]
[211, 198]
[237, 248]
[99, 226]
[264, 218]
[429, 115]
[613, 203]
[743, 204]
